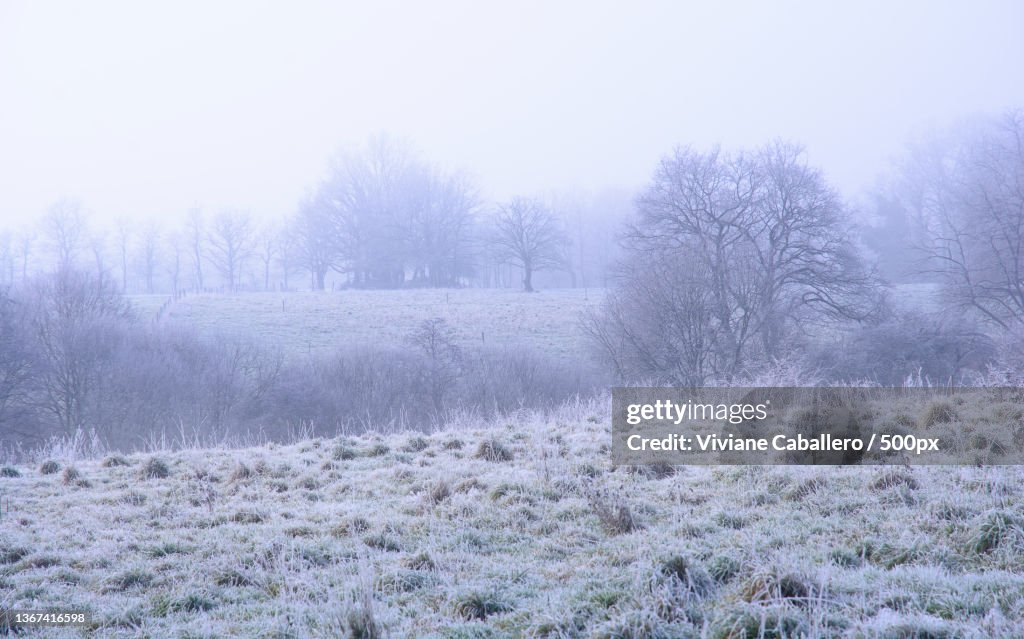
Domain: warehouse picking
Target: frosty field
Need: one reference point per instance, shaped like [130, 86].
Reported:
[311, 322]
[517, 530]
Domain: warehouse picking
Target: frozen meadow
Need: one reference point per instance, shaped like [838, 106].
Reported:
[517, 529]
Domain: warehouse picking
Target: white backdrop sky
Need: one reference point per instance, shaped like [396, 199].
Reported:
[142, 108]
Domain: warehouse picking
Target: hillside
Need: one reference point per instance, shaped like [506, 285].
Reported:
[522, 529]
[310, 322]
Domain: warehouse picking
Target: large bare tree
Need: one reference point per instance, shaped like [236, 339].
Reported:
[527, 234]
[966, 194]
[66, 232]
[231, 242]
[728, 256]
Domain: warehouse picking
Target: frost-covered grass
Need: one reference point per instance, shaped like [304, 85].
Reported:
[311, 322]
[521, 529]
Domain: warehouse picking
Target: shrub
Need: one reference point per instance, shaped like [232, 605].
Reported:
[9, 471]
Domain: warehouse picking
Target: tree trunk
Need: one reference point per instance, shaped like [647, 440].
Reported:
[528, 278]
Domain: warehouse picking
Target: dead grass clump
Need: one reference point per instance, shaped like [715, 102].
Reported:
[656, 470]
[415, 445]
[9, 471]
[135, 578]
[115, 461]
[438, 492]
[353, 526]
[233, 578]
[378, 450]
[467, 485]
[806, 488]
[773, 585]
[420, 561]
[343, 453]
[452, 444]
[241, 472]
[493, 451]
[49, 467]
[615, 515]
[248, 517]
[155, 468]
[894, 479]
[938, 413]
[478, 605]
[70, 476]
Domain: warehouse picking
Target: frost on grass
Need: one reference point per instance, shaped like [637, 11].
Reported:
[510, 532]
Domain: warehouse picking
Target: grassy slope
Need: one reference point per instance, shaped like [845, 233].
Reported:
[302, 540]
[546, 320]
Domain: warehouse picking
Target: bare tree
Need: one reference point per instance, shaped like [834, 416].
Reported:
[65, 230]
[195, 232]
[232, 240]
[123, 236]
[267, 247]
[26, 240]
[17, 361]
[173, 244]
[728, 256]
[75, 321]
[966, 195]
[149, 254]
[527, 234]
[311, 236]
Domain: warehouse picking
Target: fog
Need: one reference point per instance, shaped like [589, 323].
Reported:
[142, 110]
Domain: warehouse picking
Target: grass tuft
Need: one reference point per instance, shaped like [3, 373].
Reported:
[995, 530]
[49, 467]
[894, 479]
[493, 450]
[480, 605]
[155, 468]
[71, 476]
[938, 413]
[115, 461]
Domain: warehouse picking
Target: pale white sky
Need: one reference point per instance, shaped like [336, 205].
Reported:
[142, 108]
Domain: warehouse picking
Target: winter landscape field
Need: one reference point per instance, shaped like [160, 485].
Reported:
[519, 529]
[529, 320]
[308, 322]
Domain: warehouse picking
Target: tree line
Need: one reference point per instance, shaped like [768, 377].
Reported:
[735, 261]
[381, 217]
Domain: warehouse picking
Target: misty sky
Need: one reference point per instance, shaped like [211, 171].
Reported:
[140, 109]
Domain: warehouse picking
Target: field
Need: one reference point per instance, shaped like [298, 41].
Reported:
[314, 322]
[521, 529]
